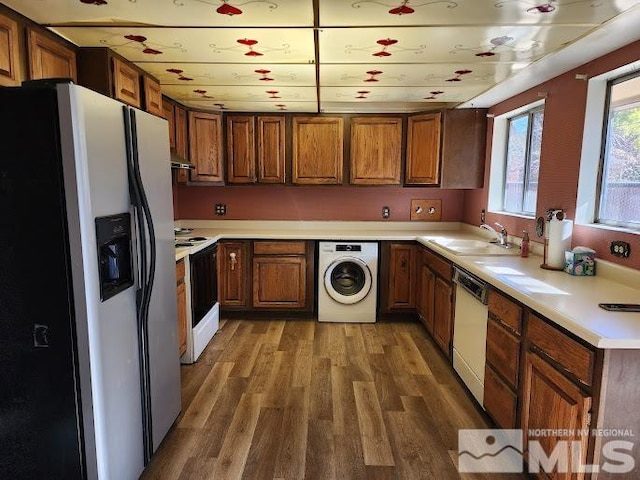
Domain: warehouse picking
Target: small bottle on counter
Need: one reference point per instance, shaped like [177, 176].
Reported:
[524, 247]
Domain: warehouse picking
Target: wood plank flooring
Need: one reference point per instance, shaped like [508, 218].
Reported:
[307, 400]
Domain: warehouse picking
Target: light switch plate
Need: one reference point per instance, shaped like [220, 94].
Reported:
[426, 210]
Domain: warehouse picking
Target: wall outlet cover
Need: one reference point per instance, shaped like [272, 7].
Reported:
[426, 210]
[620, 248]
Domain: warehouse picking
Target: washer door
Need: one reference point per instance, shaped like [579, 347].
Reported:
[348, 280]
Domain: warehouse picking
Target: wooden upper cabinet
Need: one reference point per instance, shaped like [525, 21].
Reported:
[271, 165]
[376, 150]
[241, 152]
[169, 114]
[9, 52]
[126, 81]
[152, 96]
[423, 149]
[49, 58]
[464, 138]
[318, 150]
[205, 146]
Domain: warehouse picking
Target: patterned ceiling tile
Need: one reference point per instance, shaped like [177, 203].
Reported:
[412, 74]
[140, 44]
[240, 93]
[443, 44]
[399, 94]
[208, 13]
[468, 12]
[381, 107]
[238, 106]
[231, 74]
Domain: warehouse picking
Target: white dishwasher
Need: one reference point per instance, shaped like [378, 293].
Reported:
[470, 331]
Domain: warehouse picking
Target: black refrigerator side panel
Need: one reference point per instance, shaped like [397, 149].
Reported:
[39, 390]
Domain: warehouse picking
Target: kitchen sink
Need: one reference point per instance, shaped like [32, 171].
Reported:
[473, 247]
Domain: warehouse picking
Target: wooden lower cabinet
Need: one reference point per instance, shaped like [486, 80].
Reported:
[552, 402]
[443, 314]
[279, 281]
[282, 274]
[500, 401]
[233, 273]
[402, 276]
[181, 292]
[424, 297]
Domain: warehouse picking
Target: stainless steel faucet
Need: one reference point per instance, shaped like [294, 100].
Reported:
[501, 236]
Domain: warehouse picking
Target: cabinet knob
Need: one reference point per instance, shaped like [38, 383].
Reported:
[232, 260]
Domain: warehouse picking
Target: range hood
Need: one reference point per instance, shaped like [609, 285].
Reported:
[180, 163]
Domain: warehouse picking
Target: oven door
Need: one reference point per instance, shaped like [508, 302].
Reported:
[204, 287]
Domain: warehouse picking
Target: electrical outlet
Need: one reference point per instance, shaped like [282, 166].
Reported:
[386, 212]
[620, 248]
[221, 209]
[483, 216]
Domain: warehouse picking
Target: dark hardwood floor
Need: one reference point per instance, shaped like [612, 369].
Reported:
[302, 399]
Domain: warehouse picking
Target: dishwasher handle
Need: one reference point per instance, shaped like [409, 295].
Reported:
[472, 284]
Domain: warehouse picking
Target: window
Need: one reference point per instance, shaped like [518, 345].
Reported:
[619, 189]
[515, 160]
[524, 138]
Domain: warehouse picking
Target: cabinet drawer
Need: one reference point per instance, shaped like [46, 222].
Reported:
[570, 355]
[180, 271]
[503, 352]
[438, 265]
[505, 311]
[499, 401]
[279, 248]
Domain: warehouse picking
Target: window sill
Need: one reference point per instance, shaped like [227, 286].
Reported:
[611, 228]
[513, 214]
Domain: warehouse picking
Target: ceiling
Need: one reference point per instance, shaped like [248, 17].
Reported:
[344, 55]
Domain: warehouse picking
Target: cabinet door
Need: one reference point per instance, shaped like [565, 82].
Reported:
[402, 276]
[126, 83]
[423, 149]
[9, 53]
[279, 281]
[464, 138]
[181, 293]
[425, 297]
[552, 402]
[317, 150]
[241, 153]
[376, 149]
[182, 176]
[152, 96]
[271, 149]
[233, 274]
[49, 58]
[500, 401]
[205, 146]
[442, 314]
[169, 114]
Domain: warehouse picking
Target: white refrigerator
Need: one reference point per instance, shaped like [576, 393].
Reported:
[88, 310]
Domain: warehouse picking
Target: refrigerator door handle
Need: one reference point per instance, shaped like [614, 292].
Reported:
[137, 250]
[147, 269]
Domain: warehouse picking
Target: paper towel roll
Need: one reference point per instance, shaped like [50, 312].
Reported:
[559, 240]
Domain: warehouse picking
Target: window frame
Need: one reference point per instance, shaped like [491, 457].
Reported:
[527, 158]
[499, 145]
[590, 157]
[604, 146]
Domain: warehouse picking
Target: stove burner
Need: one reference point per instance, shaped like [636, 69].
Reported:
[184, 244]
[197, 239]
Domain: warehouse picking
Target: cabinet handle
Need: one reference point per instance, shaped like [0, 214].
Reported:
[232, 260]
[403, 263]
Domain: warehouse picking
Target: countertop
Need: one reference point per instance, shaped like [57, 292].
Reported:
[571, 302]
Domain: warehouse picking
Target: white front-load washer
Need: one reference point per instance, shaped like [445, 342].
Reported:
[347, 282]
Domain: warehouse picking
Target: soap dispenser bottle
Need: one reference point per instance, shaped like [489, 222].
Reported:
[524, 247]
